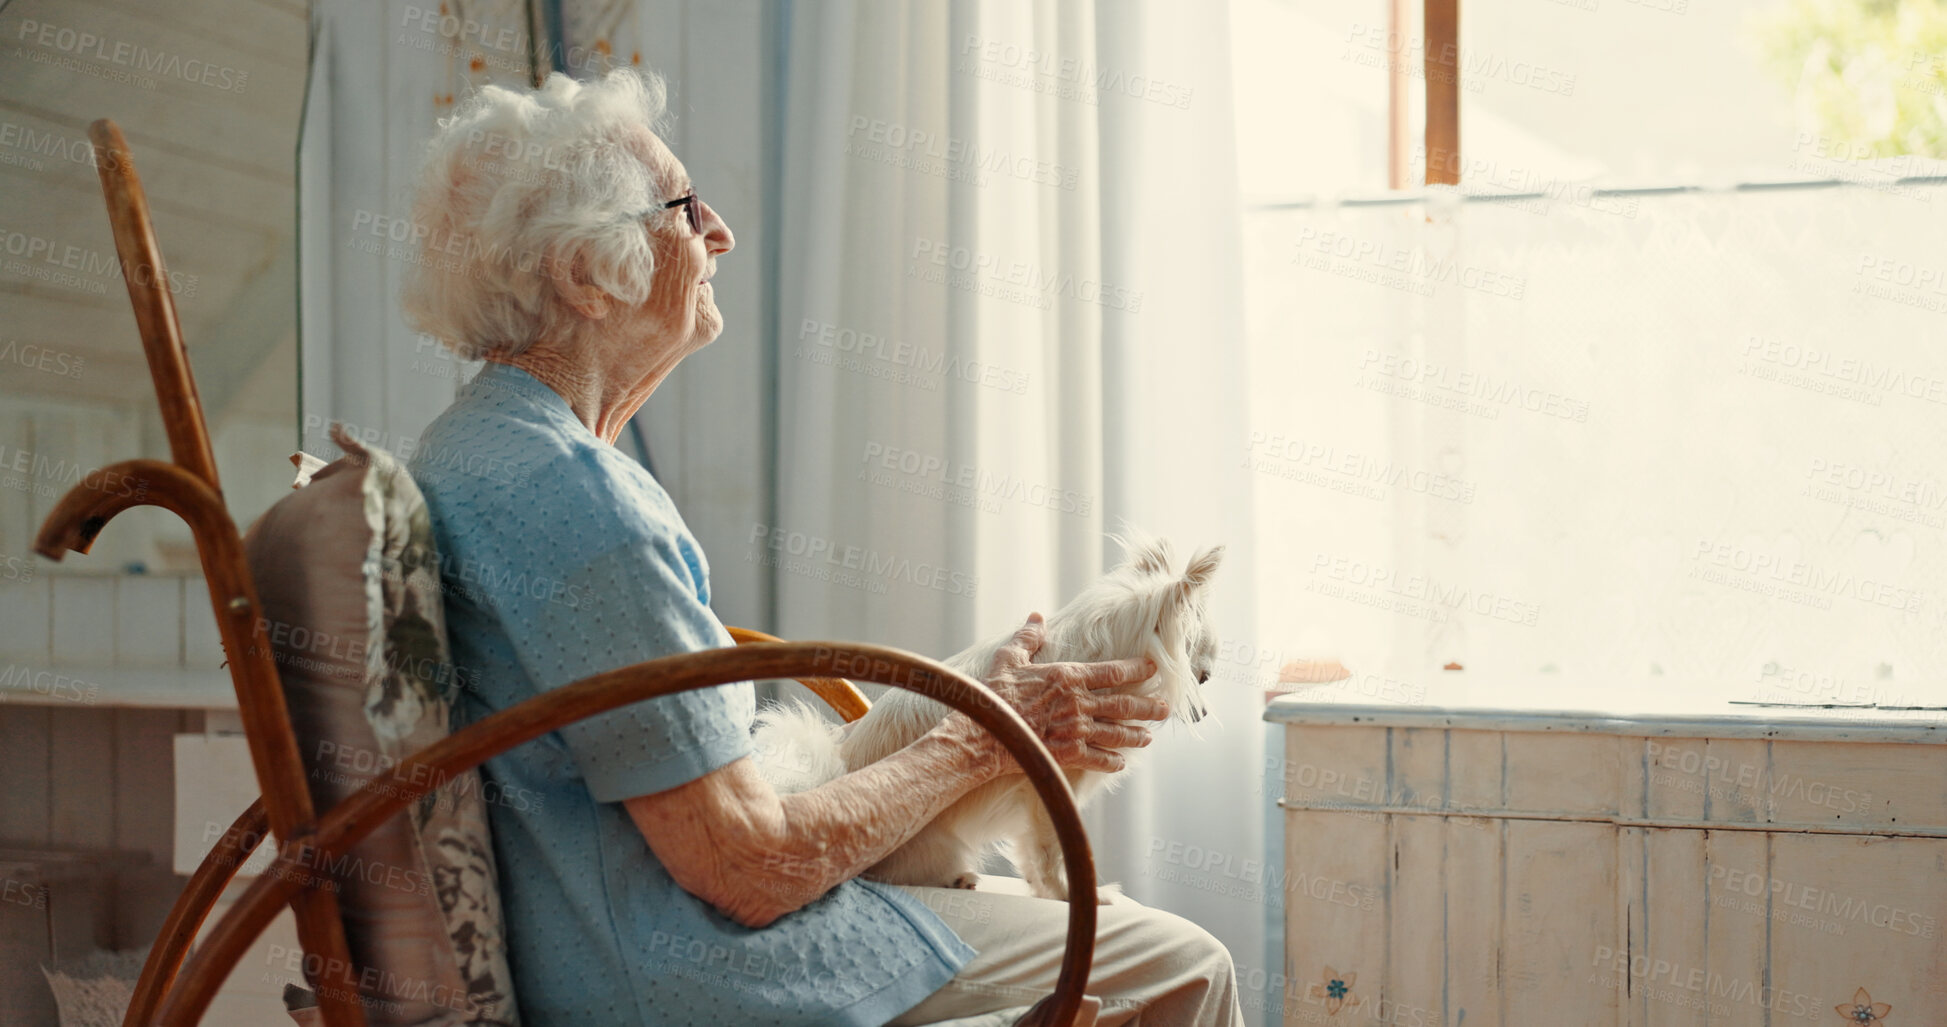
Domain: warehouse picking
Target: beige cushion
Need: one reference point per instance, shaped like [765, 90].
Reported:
[348, 577]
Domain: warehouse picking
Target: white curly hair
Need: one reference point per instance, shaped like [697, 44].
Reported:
[519, 183]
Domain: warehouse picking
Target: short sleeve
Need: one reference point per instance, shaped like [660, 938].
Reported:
[636, 601]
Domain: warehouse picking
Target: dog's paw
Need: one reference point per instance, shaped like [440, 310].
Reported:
[968, 880]
[1106, 894]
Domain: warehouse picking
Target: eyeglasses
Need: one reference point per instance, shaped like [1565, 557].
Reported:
[692, 207]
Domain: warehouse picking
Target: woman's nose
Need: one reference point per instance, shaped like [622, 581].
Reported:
[716, 233]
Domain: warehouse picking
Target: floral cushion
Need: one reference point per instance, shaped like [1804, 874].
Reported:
[348, 577]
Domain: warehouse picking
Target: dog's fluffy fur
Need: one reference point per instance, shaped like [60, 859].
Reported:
[1141, 608]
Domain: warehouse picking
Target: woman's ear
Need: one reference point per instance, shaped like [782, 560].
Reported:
[571, 281]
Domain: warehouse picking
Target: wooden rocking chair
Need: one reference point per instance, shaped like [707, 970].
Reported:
[187, 485]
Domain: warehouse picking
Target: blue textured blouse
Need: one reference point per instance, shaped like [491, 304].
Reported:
[562, 558]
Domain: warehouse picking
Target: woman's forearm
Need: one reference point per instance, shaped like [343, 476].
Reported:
[845, 826]
[757, 855]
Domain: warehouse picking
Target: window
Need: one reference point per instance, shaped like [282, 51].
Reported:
[1621, 415]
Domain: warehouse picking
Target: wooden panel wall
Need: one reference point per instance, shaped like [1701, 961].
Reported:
[89, 778]
[1488, 878]
[99, 782]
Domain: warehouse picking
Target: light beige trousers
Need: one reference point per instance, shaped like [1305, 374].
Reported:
[1152, 969]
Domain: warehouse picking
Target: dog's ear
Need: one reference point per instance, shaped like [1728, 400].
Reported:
[1202, 567]
[1185, 593]
[1146, 554]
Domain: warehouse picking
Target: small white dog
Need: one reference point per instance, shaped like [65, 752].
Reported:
[1141, 608]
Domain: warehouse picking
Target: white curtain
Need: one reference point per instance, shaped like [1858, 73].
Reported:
[1679, 448]
[1010, 321]
[381, 76]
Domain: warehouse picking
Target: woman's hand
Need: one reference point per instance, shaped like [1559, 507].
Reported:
[1063, 704]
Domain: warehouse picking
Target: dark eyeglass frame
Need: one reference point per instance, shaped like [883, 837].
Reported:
[692, 208]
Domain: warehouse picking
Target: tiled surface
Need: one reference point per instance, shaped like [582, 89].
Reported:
[84, 620]
[24, 629]
[89, 625]
[149, 621]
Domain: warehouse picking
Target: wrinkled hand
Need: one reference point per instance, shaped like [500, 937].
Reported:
[1063, 705]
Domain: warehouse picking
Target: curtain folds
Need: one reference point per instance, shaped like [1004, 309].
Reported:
[1009, 323]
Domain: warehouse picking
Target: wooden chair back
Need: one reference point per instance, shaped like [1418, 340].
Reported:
[190, 486]
[155, 305]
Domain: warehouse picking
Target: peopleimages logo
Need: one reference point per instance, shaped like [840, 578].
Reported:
[1064, 75]
[42, 359]
[1669, 980]
[1781, 576]
[1749, 780]
[1495, 393]
[352, 765]
[1223, 873]
[1842, 369]
[927, 365]
[1469, 66]
[1350, 472]
[65, 264]
[437, 31]
[49, 683]
[1535, 192]
[23, 893]
[890, 142]
[1840, 909]
[395, 988]
[1316, 249]
[15, 568]
[46, 144]
[937, 477]
[819, 557]
[1017, 281]
[87, 46]
[1412, 594]
[39, 470]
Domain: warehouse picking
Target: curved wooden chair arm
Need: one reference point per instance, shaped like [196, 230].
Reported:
[220, 867]
[190, 909]
[351, 820]
[841, 695]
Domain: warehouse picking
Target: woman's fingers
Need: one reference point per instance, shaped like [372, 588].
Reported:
[1019, 650]
[1116, 673]
[1118, 736]
[1130, 707]
[1106, 760]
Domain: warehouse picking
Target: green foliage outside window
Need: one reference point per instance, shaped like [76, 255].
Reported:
[1869, 75]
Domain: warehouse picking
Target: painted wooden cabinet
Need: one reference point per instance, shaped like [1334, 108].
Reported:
[1531, 869]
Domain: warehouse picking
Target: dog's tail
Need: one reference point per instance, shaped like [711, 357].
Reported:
[796, 748]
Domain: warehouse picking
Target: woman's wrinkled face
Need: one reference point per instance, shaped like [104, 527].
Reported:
[682, 306]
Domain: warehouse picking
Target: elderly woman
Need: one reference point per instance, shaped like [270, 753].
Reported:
[654, 877]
